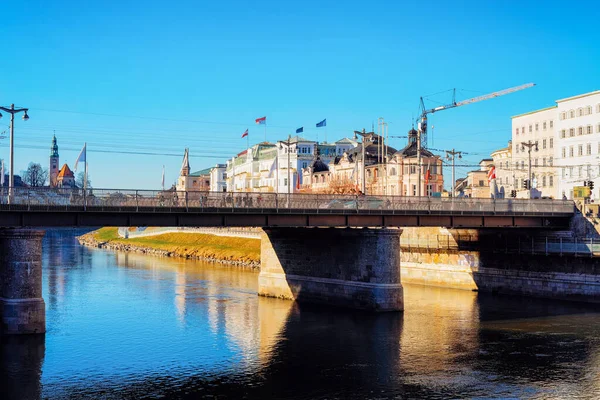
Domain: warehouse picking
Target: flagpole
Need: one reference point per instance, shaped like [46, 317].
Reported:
[265, 130]
[85, 177]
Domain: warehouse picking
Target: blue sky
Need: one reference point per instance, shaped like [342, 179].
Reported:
[156, 77]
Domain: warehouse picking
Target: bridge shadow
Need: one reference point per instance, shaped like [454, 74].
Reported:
[21, 360]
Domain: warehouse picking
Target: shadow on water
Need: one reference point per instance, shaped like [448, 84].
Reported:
[128, 326]
[21, 359]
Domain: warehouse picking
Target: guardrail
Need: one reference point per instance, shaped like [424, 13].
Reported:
[173, 201]
[578, 247]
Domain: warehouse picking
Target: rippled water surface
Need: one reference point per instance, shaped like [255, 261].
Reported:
[132, 326]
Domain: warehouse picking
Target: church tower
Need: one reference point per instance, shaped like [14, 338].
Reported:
[53, 171]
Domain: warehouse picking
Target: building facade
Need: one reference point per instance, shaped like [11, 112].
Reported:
[534, 137]
[504, 171]
[192, 181]
[578, 138]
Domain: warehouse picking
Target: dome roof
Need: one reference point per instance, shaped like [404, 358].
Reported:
[319, 166]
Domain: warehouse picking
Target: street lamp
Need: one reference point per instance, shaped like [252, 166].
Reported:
[12, 111]
[529, 145]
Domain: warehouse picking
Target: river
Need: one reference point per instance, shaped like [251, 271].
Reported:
[128, 326]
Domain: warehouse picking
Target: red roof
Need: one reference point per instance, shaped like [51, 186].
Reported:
[65, 172]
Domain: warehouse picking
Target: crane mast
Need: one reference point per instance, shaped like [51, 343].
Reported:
[422, 121]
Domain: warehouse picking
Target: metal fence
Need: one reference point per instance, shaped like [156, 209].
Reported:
[584, 247]
[165, 201]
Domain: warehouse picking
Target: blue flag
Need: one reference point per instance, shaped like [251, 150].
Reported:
[322, 123]
[300, 130]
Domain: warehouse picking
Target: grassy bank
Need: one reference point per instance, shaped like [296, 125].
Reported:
[188, 245]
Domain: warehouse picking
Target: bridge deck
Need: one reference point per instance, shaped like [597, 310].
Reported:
[101, 207]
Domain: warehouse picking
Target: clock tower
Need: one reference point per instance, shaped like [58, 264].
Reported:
[53, 171]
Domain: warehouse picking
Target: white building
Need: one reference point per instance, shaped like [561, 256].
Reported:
[268, 167]
[217, 178]
[505, 173]
[578, 142]
[534, 134]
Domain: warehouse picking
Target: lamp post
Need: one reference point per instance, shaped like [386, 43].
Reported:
[452, 153]
[12, 111]
[529, 145]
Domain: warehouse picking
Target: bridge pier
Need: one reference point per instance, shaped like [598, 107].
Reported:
[355, 268]
[22, 308]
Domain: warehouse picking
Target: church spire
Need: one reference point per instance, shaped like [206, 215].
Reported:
[54, 148]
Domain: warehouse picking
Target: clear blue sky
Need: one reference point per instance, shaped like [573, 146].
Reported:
[196, 74]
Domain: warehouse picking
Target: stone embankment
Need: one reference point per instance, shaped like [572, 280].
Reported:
[89, 241]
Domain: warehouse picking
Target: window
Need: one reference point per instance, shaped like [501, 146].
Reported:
[481, 183]
[550, 161]
[572, 114]
[563, 133]
[563, 115]
[571, 132]
[551, 180]
[571, 171]
[535, 162]
[598, 128]
[589, 130]
[551, 143]
[580, 112]
[551, 124]
[564, 153]
[522, 164]
[544, 162]
[598, 108]
[570, 151]
[544, 144]
[537, 127]
[544, 125]
[530, 128]
[522, 129]
[580, 131]
[544, 181]
[517, 131]
[588, 110]
[517, 148]
[580, 150]
[564, 173]
[588, 149]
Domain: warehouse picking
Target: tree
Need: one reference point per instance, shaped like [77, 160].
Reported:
[79, 181]
[35, 175]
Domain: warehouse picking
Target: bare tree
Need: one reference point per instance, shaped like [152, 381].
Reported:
[35, 175]
[79, 181]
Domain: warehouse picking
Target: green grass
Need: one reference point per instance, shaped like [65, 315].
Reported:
[190, 244]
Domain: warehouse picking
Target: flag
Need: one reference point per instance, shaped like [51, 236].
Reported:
[163, 177]
[261, 121]
[272, 169]
[245, 133]
[298, 180]
[427, 175]
[300, 130]
[492, 174]
[322, 123]
[81, 157]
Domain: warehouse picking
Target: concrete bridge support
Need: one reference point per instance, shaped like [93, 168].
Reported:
[356, 268]
[22, 308]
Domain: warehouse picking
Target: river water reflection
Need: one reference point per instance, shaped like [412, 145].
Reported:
[133, 326]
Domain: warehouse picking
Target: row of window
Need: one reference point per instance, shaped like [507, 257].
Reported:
[544, 125]
[547, 181]
[580, 112]
[588, 150]
[582, 130]
[546, 162]
[579, 170]
[546, 144]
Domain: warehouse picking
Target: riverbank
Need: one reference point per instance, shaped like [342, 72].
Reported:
[243, 252]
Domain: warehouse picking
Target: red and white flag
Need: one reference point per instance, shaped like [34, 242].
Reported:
[261, 121]
[492, 174]
[245, 133]
[427, 174]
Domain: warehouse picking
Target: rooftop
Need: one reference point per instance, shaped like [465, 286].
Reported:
[579, 96]
[534, 112]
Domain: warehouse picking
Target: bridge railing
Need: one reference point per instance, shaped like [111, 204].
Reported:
[165, 201]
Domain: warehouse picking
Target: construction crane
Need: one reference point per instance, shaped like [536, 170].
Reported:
[422, 121]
